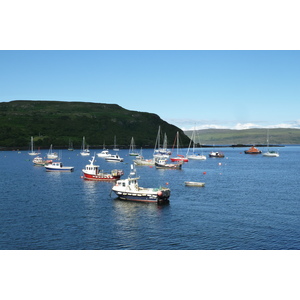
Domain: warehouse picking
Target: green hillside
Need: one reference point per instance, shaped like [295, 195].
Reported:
[55, 122]
[277, 136]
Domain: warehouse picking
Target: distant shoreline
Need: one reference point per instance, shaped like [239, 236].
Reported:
[148, 147]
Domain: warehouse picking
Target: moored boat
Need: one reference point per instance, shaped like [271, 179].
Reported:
[194, 156]
[216, 154]
[252, 150]
[129, 189]
[93, 172]
[132, 151]
[179, 157]
[114, 157]
[58, 166]
[141, 161]
[270, 153]
[104, 153]
[31, 148]
[194, 183]
[85, 149]
[161, 152]
[70, 148]
[162, 164]
[39, 161]
[51, 154]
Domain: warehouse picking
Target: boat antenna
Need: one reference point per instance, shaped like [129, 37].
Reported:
[132, 171]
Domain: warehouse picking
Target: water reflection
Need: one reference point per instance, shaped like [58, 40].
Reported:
[135, 222]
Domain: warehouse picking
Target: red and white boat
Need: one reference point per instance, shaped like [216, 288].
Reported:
[93, 172]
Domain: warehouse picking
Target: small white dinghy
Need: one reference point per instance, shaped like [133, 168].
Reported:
[194, 183]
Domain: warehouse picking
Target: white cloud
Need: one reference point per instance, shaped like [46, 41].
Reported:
[186, 124]
[240, 126]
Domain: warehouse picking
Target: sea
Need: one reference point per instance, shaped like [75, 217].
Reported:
[249, 202]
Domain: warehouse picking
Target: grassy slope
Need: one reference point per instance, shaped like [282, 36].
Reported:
[248, 136]
[55, 122]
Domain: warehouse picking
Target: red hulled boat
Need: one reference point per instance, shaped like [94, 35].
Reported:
[93, 172]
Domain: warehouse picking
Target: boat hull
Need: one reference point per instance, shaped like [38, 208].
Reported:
[144, 197]
[101, 177]
[114, 160]
[179, 159]
[252, 152]
[169, 166]
[63, 169]
[144, 162]
[58, 167]
[197, 157]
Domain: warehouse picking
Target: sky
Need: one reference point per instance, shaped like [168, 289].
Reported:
[202, 64]
[235, 89]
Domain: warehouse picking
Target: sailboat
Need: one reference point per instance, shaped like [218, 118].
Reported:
[270, 153]
[132, 151]
[194, 155]
[70, 145]
[51, 154]
[161, 152]
[32, 151]
[115, 144]
[179, 157]
[85, 150]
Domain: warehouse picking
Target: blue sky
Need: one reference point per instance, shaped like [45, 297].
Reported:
[223, 89]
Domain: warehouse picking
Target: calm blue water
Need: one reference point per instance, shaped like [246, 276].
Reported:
[249, 202]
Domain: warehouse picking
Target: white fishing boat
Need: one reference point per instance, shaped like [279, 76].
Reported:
[114, 158]
[129, 189]
[104, 153]
[58, 166]
[93, 172]
[32, 152]
[193, 155]
[270, 153]
[51, 154]
[85, 149]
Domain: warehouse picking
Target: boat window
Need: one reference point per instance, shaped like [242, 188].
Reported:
[123, 183]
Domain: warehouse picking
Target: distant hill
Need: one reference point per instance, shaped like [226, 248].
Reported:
[277, 136]
[57, 122]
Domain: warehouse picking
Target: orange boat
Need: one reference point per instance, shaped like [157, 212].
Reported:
[252, 150]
